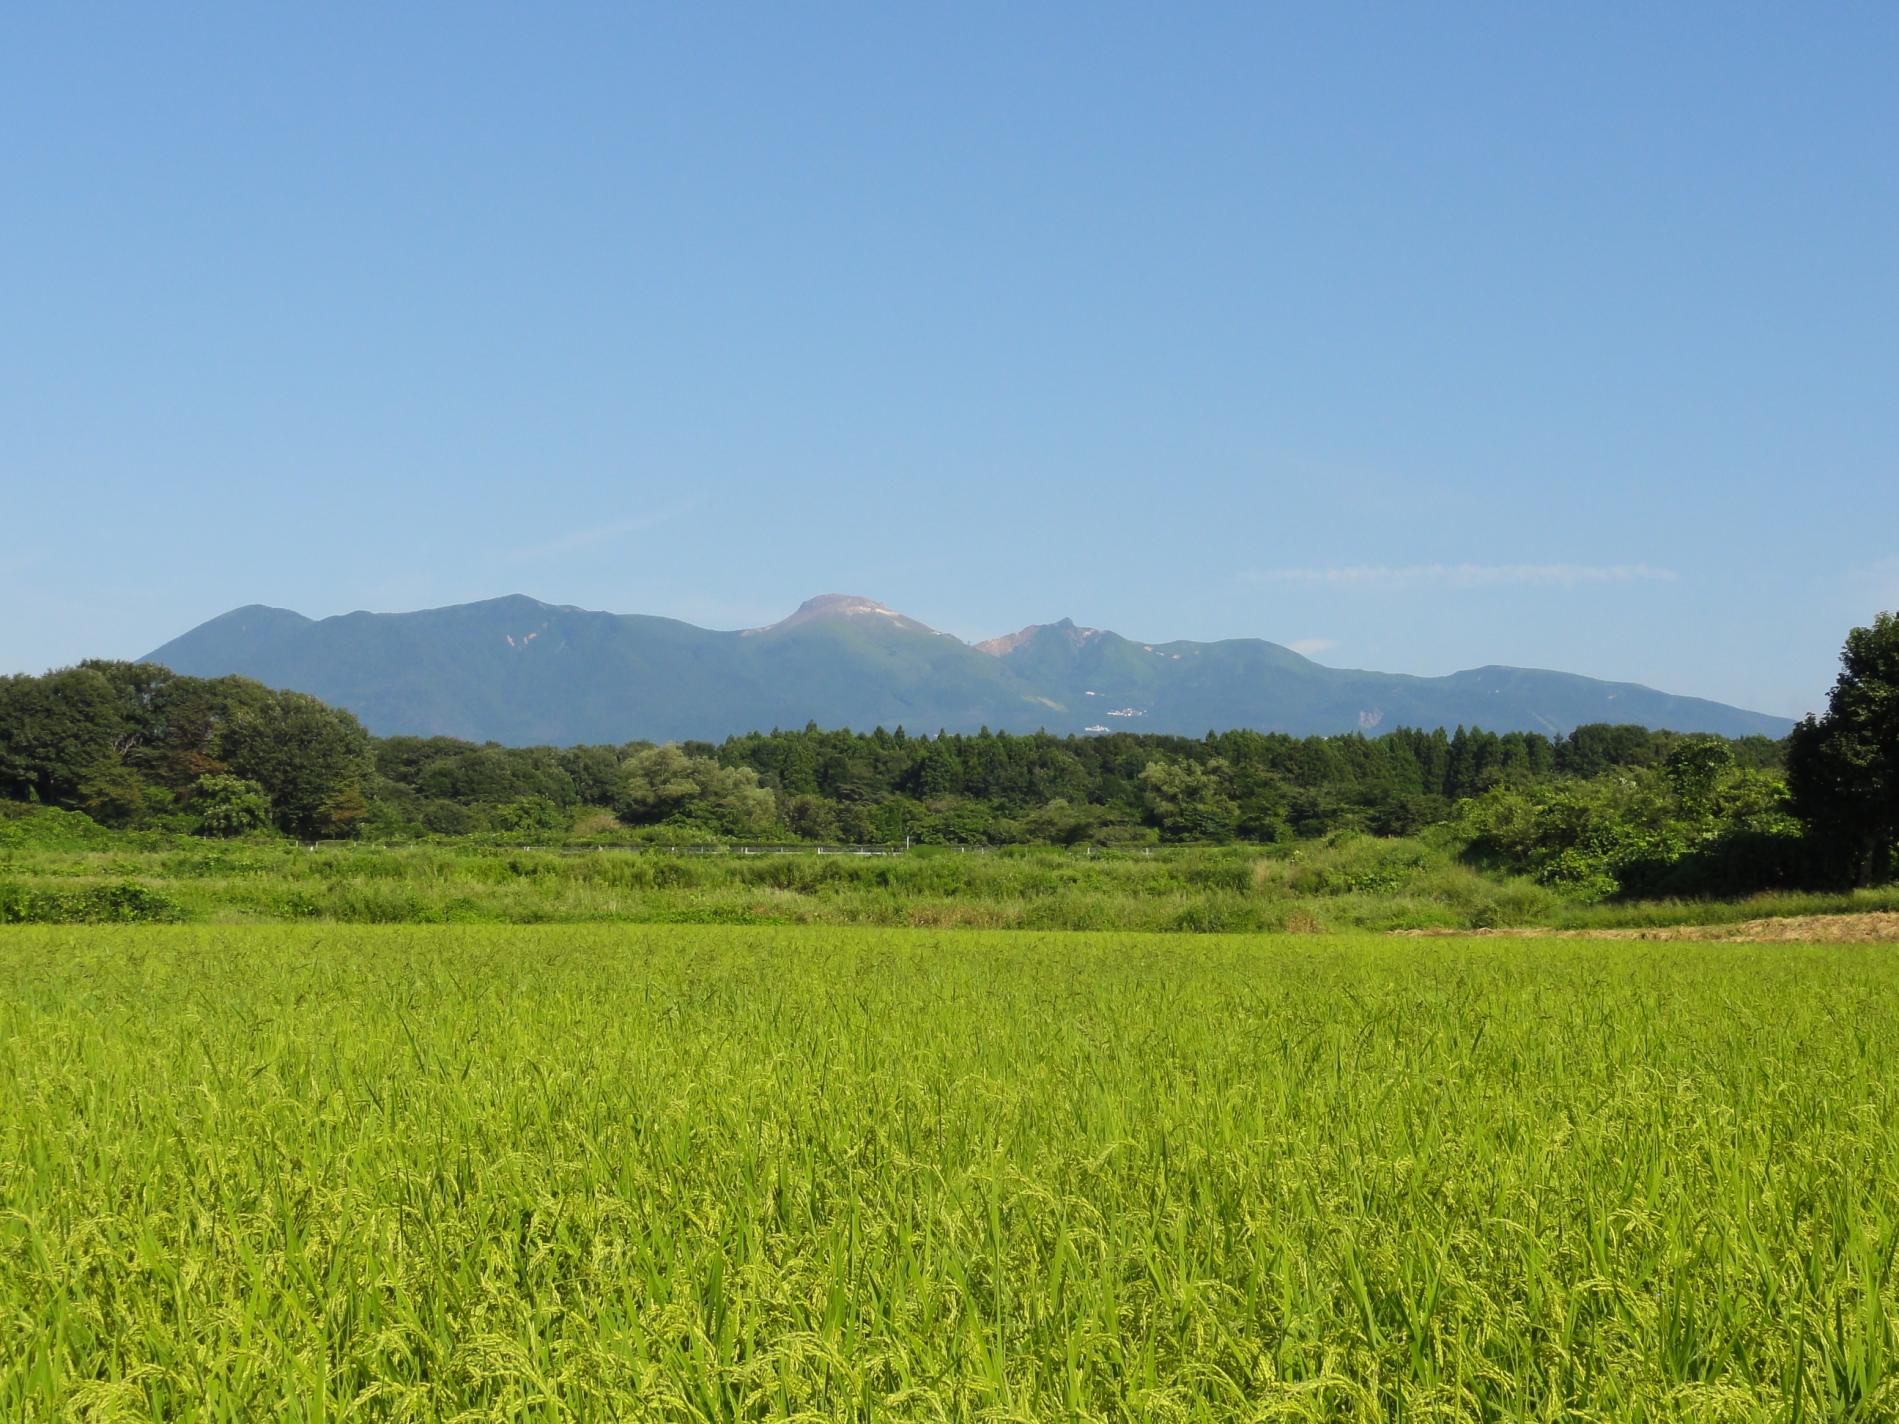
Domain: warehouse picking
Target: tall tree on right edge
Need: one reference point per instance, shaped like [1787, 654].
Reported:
[1843, 767]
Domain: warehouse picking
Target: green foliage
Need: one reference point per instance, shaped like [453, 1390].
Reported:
[1843, 767]
[664, 784]
[811, 818]
[1189, 801]
[59, 734]
[531, 813]
[25, 826]
[310, 760]
[1699, 824]
[128, 743]
[230, 806]
[124, 903]
[1348, 881]
[1259, 787]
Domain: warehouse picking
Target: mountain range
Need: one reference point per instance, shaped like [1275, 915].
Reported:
[522, 672]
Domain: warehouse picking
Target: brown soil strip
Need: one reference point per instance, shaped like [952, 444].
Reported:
[1874, 927]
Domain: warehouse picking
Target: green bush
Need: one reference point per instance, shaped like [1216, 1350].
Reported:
[49, 828]
[126, 902]
[230, 806]
[1698, 825]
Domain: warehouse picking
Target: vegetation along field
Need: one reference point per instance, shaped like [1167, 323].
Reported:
[129, 793]
[76, 873]
[702, 1173]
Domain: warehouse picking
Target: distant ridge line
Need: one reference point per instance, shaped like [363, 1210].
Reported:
[520, 671]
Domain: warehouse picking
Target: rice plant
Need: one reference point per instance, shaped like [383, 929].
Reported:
[329, 1172]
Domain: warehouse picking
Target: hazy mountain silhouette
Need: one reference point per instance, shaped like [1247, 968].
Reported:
[519, 671]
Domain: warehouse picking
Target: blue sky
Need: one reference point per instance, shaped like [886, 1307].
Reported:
[1419, 337]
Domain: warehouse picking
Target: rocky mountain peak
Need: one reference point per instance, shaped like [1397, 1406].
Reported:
[1009, 642]
[840, 605]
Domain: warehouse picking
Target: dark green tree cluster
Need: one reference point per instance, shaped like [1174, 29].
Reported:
[442, 786]
[1244, 785]
[131, 744]
[1843, 766]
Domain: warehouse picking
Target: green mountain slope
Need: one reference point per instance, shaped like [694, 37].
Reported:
[520, 671]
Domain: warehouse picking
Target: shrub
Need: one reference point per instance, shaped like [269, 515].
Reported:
[126, 902]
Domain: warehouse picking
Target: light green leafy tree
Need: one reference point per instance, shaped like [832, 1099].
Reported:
[229, 806]
[1190, 801]
[664, 784]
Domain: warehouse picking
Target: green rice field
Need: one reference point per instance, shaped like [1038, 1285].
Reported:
[687, 1172]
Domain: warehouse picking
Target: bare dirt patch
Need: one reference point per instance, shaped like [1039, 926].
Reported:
[1873, 927]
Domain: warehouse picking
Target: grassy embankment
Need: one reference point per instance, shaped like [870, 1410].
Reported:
[316, 1172]
[55, 867]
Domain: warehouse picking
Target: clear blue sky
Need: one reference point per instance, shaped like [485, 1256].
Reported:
[1421, 336]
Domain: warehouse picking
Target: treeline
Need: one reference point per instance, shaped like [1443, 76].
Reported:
[999, 788]
[132, 744]
[1236, 785]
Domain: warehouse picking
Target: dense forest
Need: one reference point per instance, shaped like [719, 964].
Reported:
[1604, 809]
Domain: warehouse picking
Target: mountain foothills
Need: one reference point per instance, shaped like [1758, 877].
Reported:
[521, 672]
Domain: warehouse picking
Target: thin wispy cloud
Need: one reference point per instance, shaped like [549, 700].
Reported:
[1416, 576]
[576, 540]
[1312, 647]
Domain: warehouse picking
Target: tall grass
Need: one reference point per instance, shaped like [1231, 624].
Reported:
[322, 1172]
[1352, 882]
